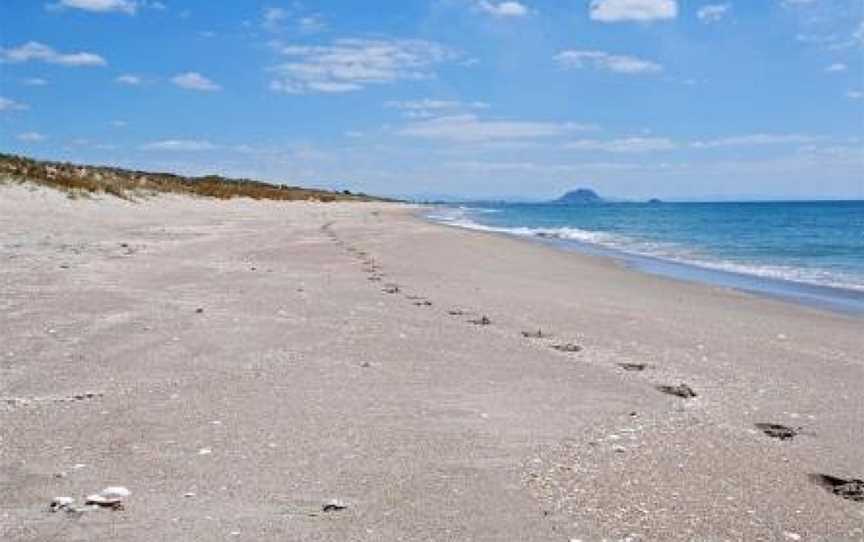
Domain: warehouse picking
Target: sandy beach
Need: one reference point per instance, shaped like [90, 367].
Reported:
[237, 365]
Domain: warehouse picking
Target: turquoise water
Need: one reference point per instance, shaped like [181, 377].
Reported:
[801, 250]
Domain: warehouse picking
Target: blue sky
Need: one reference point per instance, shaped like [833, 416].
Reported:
[484, 98]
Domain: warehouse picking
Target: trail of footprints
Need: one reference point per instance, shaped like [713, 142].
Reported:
[850, 489]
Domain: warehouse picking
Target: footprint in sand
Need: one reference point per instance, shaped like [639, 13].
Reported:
[851, 489]
[681, 390]
[567, 347]
[778, 431]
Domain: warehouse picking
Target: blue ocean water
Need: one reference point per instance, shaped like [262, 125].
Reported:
[809, 251]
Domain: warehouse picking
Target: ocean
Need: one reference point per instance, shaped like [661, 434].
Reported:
[807, 251]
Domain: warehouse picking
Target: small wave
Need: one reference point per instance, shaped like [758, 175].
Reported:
[460, 217]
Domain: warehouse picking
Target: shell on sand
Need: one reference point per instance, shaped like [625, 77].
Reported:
[115, 492]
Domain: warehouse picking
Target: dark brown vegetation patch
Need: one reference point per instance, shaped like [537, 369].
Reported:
[130, 184]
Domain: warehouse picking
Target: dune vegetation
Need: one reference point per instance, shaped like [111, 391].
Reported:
[83, 180]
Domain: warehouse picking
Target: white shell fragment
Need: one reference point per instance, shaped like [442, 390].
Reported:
[118, 492]
[61, 502]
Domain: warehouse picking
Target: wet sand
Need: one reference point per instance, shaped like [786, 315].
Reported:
[236, 365]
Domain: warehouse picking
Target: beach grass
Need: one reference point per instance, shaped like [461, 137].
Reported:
[83, 180]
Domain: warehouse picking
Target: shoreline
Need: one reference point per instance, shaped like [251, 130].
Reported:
[836, 299]
[250, 361]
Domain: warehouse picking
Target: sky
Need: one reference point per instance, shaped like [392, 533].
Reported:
[733, 99]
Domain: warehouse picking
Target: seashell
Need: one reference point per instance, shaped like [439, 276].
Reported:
[115, 492]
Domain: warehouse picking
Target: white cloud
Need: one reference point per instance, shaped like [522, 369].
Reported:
[754, 139]
[7, 104]
[119, 123]
[503, 9]
[31, 137]
[836, 67]
[34, 82]
[855, 94]
[273, 18]
[611, 11]
[352, 64]
[181, 145]
[98, 6]
[195, 81]
[33, 50]
[606, 61]
[469, 128]
[624, 145]
[713, 12]
[428, 108]
[128, 79]
[311, 24]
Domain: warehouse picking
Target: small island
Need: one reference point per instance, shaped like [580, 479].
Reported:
[581, 196]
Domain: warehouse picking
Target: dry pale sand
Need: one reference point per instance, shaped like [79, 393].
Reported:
[300, 380]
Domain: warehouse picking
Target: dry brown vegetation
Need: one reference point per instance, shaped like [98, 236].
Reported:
[129, 184]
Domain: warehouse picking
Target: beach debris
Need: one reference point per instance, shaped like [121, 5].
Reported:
[111, 497]
[189, 494]
[567, 347]
[455, 312]
[633, 366]
[778, 431]
[67, 505]
[205, 451]
[81, 396]
[333, 505]
[482, 321]
[851, 489]
[424, 303]
[365, 365]
[199, 310]
[681, 390]
[391, 289]
[534, 334]
[60, 503]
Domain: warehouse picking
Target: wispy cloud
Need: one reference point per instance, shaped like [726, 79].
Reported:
[713, 12]
[855, 94]
[128, 79]
[612, 11]
[128, 7]
[195, 81]
[31, 137]
[33, 50]
[351, 64]
[7, 104]
[470, 128]
[273, 18]
[503, 9]
[34, 81]
[753, 140]
[602, 60]
[624, 145]
[180, 145]
[836, 67]
[427, 108]
[311, 24]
